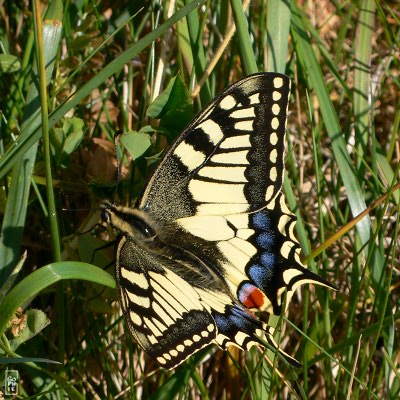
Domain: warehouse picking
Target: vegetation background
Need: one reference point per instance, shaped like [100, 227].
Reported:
[105, 63]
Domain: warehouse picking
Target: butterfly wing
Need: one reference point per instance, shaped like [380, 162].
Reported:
[230, 157]
[221, 181]
[215, 203]
[172, 319]
[164, 313]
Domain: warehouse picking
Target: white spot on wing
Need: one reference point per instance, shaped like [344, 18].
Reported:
[209, 227]
[278, 82]
[229, 174]
[213, 130]
[189, 157]
[212, 192]
[221, 209]
[276, 109]
[134, 277]
[243, 246]
[139, 300]
[276, 95]
[180, 348]
[244, 233]
[161, 360]
[135, 318]
[269, 193]
[255, 98]
[244, 125]
[235, 142]
[233, 157]
[273, 138]
[275, 123]
[240, 337]
[273, 174]
[196, 338]
[228, 102]
[273, 156]
[243, 113]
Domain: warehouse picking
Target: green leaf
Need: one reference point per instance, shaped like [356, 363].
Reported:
[173, 107]
[154, 158]
[316, 82]
[278, 23]
[242, 31]
[23, 360]
[387, 173]
[36, 321]
[67, 139]
[17, 202]
[9, 63]
[44, 277]
[80, 42]
[136, 143]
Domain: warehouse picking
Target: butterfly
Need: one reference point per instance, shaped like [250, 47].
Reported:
[210, 239]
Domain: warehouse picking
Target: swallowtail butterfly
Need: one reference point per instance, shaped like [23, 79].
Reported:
[210, 239]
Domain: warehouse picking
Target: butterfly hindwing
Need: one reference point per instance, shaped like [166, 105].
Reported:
[163, 312]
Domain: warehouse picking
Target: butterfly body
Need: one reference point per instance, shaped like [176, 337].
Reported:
[211, 238]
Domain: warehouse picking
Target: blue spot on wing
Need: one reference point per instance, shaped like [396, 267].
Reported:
[266, 240]
[268, 260]
[261, 221]
[260, 275]
[236, 320]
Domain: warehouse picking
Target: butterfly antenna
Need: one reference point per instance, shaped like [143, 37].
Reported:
[118, 133]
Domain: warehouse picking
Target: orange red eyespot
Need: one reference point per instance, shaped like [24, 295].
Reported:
[251, 296]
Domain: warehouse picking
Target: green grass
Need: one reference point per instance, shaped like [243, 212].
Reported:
[103, 65]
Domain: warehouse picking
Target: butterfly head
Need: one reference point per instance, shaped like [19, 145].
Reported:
[127, 221]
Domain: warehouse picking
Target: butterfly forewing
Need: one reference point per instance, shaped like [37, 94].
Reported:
[229, 159]
[211, 236]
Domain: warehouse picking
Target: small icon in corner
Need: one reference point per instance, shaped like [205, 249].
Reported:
[11, 382]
